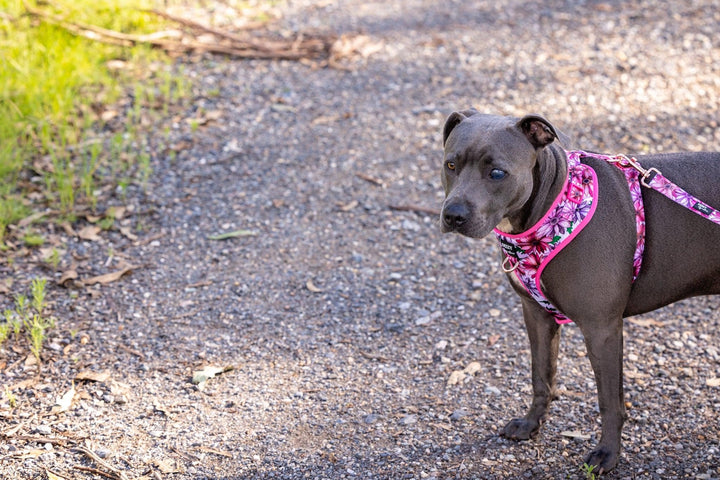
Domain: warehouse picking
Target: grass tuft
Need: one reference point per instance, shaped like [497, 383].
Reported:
[28, 316]
[55, 89]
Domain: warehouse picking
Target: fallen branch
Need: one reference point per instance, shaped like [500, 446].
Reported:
[415, 208]
[177, 41]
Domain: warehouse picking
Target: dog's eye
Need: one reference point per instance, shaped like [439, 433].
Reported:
[450, 165]
[497, 174]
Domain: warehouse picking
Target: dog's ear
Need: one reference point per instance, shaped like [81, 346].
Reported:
[454, 119]
[539, 132]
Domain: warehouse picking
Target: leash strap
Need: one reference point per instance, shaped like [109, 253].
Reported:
[654, 179]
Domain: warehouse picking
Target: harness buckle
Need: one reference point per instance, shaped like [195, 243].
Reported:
[648, 176]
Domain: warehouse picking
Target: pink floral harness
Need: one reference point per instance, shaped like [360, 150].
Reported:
[528, 253]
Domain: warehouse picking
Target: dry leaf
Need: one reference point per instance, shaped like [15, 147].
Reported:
[90, 232]
[53, 476]
[68, 229]
[201, 376]
[456, 377]
[62, 404]
[348, 45]
[713, 382]
[109, 277]
[119, 388]
[166, 466]
[108, 115]
[311, 286]
[67, 278]
[128, 234]
[349, 206]
[473, 368]
[92, 376]
[575, 434]
[459, 375]
[118, 213]
[28, 220]
[213, 115]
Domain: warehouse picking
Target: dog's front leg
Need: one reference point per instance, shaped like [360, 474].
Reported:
[605, 350]
[544, 335]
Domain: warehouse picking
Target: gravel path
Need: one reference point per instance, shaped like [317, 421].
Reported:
[343, 317]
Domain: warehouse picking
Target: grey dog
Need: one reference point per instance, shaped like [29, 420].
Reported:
[506, 172]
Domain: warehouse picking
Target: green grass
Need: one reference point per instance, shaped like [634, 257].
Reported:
[54, 87]
[589, 471]
[28, 317]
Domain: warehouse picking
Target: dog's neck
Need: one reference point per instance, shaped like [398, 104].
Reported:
[549, 176]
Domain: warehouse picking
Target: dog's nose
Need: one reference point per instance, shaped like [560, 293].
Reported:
[455, 215]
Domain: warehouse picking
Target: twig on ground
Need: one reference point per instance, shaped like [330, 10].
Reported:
[415, 208]
[43, 440]
[138, 354]
[370, 179]
[63, 476]
[113, 472]
[99, 472]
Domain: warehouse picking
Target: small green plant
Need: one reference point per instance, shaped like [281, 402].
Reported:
[12, 399]
[13, 322]
[5, 330]
[36, 328]
[53, 259]
[11, 210]
[33, 240]
[22, 306]
[589, 471]
[28, 316]
[38, 294]
[107, 222]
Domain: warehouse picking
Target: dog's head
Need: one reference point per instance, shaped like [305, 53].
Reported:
[488, 167]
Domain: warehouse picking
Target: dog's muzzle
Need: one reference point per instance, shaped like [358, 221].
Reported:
[455, 216]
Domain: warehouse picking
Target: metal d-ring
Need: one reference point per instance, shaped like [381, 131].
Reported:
[509, 269]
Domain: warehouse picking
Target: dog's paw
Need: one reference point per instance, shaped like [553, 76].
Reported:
[520, 429]
[603, 459]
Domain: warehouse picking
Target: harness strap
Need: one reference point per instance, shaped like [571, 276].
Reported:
[653, 178]
[529, 252]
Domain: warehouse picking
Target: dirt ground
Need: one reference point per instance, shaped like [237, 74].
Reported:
[333, 316]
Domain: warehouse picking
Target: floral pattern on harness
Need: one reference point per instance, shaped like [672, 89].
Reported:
[530, 251]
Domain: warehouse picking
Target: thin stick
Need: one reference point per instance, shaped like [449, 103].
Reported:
[97, 472]
[89, 453]
[415, 208]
